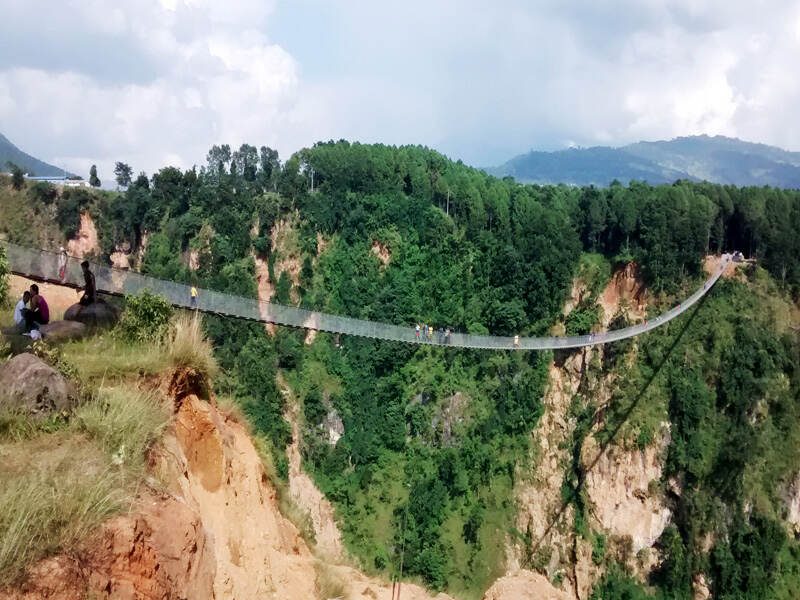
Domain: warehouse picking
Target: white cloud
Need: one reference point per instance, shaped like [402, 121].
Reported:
[147, 81]
[218, 80]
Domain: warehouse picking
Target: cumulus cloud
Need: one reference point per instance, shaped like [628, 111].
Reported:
[157, 81]
[150, 82]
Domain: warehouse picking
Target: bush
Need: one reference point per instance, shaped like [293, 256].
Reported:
[68, 210]
[43, 192]
[145, 319]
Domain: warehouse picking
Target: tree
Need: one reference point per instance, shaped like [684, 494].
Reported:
[17, 176]
[94, 180]
[123, 173]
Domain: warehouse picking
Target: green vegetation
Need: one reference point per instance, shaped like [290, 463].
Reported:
[65, 474]
[63, 478]
[434, 438]
[145, 319]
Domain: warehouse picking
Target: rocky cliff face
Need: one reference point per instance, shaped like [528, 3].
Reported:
[211, 529]
[621, 503]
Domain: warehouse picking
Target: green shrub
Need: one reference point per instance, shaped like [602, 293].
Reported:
[43, 192]
[145, 319]
[618, 585]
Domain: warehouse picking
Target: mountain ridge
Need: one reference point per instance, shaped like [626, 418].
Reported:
[9, 153]
[717, 159]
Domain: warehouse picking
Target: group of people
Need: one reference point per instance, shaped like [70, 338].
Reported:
[32, 310]
[424, 332]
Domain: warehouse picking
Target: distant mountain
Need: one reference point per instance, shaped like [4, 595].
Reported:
[33, 166]
[717, 159]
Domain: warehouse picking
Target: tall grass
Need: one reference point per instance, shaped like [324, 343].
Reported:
[104, 358]
[55, 505]
[60, 481]
[189, 348]
[123, 423]
[330, 584]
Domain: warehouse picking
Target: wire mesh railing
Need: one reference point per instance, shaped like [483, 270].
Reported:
[65, 270]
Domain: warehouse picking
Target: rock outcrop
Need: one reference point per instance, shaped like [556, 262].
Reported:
[98, 314]
[85, 241]
[30, 385]
[62, 331]
[524, 585]
[618, 483]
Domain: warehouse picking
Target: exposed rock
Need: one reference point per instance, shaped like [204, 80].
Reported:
[265, 291]
[791, 498]
[97, 314]
[700, 589]
[86, 241]
[211, 466]
[161, 552]
[382, 252]
[322, 244]
[450, 417]
[524, 585]
[618, 484]
[334, 425]
[120, 259]
[625, 290]
[217, 534]
[309, 498]
[62, 331]
[29, 384]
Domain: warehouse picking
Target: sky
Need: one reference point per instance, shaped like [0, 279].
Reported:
[157, 82]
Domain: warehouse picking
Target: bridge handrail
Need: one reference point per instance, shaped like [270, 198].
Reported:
[44, 265]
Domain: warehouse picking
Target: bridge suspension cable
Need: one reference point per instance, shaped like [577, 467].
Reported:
[43, 265]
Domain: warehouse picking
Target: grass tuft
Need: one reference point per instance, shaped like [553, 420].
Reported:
[105, 358]
[124, 423]
[62, 479]
[331, 585]
[189, 347]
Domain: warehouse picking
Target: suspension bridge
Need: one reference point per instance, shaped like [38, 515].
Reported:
[43, 265]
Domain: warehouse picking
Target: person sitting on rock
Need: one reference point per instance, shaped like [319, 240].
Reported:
[89, 289]
[19, 310]
[38, 313]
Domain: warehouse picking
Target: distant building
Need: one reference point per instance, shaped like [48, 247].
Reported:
[65, 181]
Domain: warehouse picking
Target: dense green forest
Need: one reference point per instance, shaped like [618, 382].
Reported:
[481, 254]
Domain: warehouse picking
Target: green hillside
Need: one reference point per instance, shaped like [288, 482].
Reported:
[9, 153]
[404, 235]
[716, 159]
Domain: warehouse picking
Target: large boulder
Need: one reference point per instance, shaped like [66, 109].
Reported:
[97, 314]
[62, 331]
[30, 385]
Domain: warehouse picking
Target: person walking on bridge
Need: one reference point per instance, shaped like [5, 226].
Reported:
[193, 298]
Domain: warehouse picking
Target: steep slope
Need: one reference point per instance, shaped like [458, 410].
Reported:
[213, 530]
[31, 165]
